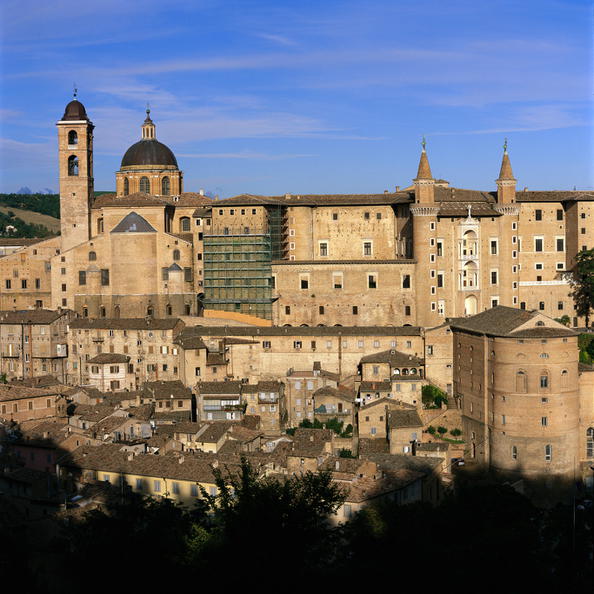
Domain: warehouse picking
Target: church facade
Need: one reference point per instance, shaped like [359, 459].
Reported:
[412, 256]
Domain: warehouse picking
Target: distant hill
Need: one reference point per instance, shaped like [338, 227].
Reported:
[46, 204]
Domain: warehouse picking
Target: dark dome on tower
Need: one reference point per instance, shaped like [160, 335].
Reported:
[75, 110]
[149, 152]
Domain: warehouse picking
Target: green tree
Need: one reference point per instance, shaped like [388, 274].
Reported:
[442, 430]
[252, 515]
[456, 432]
[582, 284]
[432, 396]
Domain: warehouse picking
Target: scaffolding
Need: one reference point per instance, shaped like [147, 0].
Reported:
[238, 264]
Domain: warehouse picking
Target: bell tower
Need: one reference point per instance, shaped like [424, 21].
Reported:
[75, 152]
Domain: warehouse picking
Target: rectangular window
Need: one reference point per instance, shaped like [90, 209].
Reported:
[165, 273]
[323, 248]
[82, 277]
[538, 244]
[493, 247]
[493, 277]
[548, 453]
[321, 310]
[371, 281]
[188, 275]
[440, 279]
[304, 283]
[337, 280]
[406, 281]
[104, 277]
[538, 215]
[560, 241]
[355, 310]
[287, 310]
[38, 283]
[440, 247]
[24, 283]
[7, 283]
[335, 216]
[367, 249]
[544, 421]
[157, 486]
[297, 344]
[197, 371]
[266, 344]
[559, 214]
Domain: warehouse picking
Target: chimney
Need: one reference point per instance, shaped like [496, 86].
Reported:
[287, 196]
[180, 460]
[397, 188]
[201, 191]
[386, 192]
[130, 456]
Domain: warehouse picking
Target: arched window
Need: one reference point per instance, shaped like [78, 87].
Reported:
[548, 452]
[99, 225]
[168, 309]
[544, 380]
[590, 443]
[126, 186]
[72, 165]
[145, 186]
[514, 452]
[176, 254]
[184, 224]
[116, 312]
[72, 137]
[150, 310]
[92, 256]
[102, 312]
[187, 309]
[85, 312]
[521, 382]
[165, 186]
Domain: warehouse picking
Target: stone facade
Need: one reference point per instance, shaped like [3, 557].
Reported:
[34, 343]
[518, 383]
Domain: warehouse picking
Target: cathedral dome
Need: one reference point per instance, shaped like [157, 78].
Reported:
[149, 152]
[75, 110]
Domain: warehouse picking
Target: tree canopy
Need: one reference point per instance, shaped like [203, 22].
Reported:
[582, 284]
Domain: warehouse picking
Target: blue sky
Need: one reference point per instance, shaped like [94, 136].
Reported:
[331, 96]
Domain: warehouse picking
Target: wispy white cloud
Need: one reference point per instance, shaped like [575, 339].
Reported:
[531, 119]
[279, 39]
[246, 155]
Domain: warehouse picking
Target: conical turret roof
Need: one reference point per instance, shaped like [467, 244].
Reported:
[424, 171]
[506, 169]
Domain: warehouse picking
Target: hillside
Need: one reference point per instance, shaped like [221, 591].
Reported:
[33, 218]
